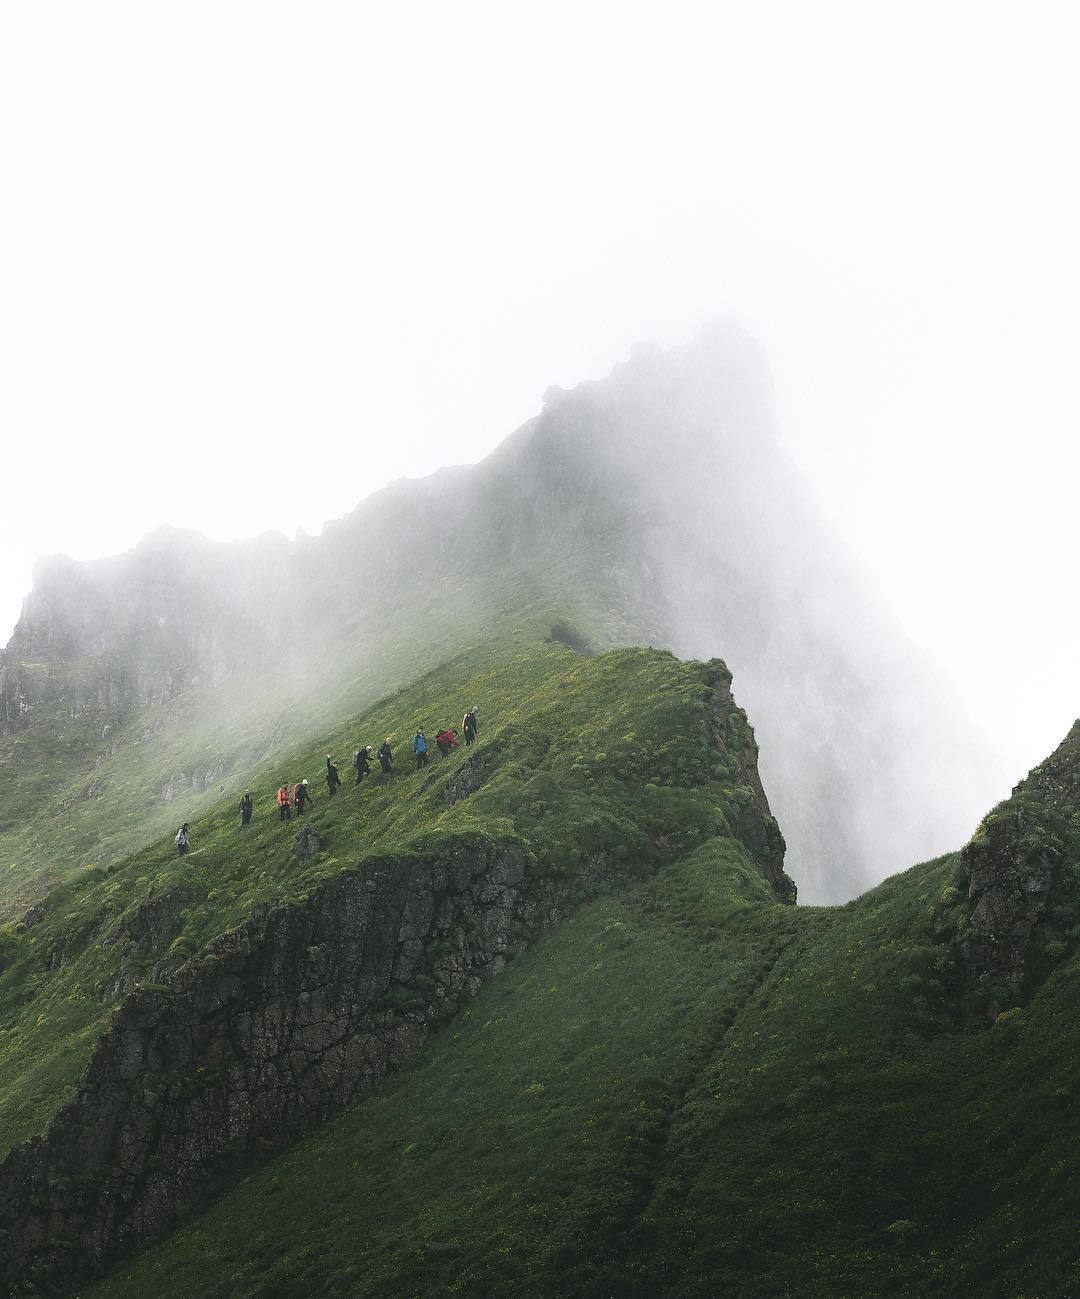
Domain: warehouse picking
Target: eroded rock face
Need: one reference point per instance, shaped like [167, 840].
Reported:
[112, 636]
[291, 1016]
[729, 731]
[473, 772]
[1022, 857]
[308, 843]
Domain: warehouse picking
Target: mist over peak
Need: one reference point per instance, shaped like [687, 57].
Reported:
[654, 506]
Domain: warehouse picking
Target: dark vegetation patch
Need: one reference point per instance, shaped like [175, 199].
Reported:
[564, 635]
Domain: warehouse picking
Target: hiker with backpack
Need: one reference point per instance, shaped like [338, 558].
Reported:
[419, 745]
[469, 725]
[284, 809]
[333, 780]
[301, 796]
[182, 842]
[362, 762]
[246, 806]
[386, 757]
[446, 740]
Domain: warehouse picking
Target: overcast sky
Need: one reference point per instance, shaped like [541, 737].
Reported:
[258, 259]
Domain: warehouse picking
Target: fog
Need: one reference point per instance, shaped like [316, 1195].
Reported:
[256, 261]
[710, 541]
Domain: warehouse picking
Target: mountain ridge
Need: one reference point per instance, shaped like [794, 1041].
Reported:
[682, 1091]
[655, 506]
[177, 1044]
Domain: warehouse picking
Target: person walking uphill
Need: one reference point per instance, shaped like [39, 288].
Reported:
[284, 810]
[469, 725]
[245, 807]
[301, 795]
[182, 841]
[419, 745]
[446, 740]
[386, 757]
[362, 762]
[333, 780]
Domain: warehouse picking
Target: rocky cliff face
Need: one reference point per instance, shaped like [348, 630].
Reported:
[289, 1017]
[1021, 876]
[730, 732]
[115, 635]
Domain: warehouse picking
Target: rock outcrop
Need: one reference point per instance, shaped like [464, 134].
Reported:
[1022, 860]
[284, 1020]
[116, 635]
[730, 733]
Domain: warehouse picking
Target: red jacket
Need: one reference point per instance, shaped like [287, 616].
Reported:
[283, 796]
[446, 737]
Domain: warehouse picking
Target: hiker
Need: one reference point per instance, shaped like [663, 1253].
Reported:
[245, 807]
[446, 740]
[362, 762]
[386, 758]
[301, 797]
[182, 841]
[284, 810]
[469, 725]
[419, 745]
[332, 777]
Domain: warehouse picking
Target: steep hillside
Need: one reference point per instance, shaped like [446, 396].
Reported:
[689, 1090]
[655, 507]
[172, 1019]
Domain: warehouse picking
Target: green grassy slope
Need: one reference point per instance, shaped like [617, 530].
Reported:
[88, 790]
[688, 1090]
[583, 756]
[531, 1130]
[869, 1140]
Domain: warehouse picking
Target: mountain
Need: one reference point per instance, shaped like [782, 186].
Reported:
[687, 1090]
[655, 507]
[175, 1018]
[540, 1017]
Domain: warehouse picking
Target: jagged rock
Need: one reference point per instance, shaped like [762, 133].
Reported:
[473, 772]
[34, 915]
[729, 731]
[154, 924]
[308, 843]
[174, 786]
[1011, 868]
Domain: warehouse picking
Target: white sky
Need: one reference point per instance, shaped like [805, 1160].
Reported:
[258, 259]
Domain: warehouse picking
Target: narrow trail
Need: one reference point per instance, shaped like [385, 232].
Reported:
[632, 1238]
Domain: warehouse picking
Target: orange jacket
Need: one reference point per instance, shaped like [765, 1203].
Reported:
[283, 796]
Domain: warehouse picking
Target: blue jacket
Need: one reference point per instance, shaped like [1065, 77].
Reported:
[419, 744]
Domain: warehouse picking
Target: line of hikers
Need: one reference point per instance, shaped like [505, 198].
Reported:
[446, 740]
[296, 800]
